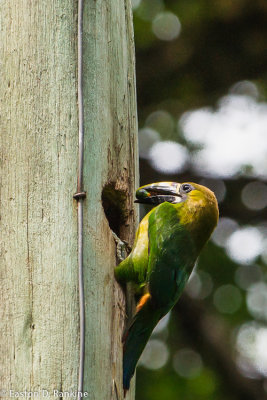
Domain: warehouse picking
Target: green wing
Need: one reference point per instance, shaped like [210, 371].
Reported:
[163, 256]
[171, 256]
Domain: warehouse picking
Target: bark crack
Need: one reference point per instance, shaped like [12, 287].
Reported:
[30, 319]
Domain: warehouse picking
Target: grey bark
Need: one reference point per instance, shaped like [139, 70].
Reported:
[39, 314]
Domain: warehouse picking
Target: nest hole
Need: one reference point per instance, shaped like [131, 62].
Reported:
[114, 204]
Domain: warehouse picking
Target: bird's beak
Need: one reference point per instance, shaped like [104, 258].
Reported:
[160, 192]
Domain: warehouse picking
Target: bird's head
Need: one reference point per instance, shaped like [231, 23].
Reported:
[196, 205]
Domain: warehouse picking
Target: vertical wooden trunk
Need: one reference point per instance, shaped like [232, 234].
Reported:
[110, 163]
[39, 314]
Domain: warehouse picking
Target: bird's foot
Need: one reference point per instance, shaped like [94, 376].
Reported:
[122, 247]
[127, 246]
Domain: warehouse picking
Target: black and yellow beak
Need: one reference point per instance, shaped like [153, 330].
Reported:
[157, 193]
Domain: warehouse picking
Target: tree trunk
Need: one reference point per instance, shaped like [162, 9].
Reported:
[39, 311]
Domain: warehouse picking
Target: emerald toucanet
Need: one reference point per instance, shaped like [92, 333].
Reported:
[167, 244]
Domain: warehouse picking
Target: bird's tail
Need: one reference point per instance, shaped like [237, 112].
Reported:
[137, 336]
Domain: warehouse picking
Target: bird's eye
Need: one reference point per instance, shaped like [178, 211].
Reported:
[186, 188]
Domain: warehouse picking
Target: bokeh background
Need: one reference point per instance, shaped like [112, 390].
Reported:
[202, 106]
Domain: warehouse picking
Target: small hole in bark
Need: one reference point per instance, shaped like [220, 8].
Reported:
[113, 202]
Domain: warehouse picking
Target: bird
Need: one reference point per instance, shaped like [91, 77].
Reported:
[167, 243]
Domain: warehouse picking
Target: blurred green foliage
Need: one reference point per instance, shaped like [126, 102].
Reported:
[221, 42]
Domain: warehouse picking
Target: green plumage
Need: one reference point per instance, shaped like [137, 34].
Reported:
[166, 247]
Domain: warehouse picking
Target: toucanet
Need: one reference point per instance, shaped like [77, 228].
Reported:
[167, 244]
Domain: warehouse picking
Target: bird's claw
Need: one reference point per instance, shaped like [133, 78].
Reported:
[122, 247]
